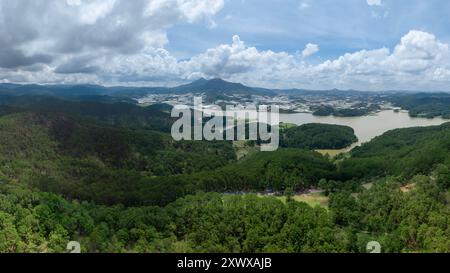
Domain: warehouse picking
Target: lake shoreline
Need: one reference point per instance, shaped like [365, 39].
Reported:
[366, 127]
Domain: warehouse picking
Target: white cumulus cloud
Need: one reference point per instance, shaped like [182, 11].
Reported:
[53, 31]
[309, 50]
[123, 42]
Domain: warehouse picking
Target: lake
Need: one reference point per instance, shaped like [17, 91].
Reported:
[366, 127]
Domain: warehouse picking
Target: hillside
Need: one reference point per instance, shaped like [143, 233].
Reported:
[428, 105]
[120, 114]
[59, 153]
[400, 152]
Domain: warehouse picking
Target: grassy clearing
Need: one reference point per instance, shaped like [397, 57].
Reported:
[331, 153]
[312, 199]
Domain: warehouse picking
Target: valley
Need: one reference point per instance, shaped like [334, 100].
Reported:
[105, 171]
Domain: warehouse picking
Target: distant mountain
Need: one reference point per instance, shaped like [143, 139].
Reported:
[216, 89]
[212, 88]
[74, 91]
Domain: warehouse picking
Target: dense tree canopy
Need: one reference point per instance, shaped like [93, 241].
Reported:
[318, 136]
[424, 105]
[400, 152]
[417, 220]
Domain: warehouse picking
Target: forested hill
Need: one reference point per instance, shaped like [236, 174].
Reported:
[318, 136]
[428, 105]
[401, 152]
[59, 153]
[120, 114]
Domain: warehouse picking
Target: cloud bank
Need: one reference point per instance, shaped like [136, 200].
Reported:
[120, 42]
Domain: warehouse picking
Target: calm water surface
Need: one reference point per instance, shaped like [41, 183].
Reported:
[366, 127]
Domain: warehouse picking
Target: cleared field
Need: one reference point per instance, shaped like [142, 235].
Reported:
[332, 153]
[312, 199]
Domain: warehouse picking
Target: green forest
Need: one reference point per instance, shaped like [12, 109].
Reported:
[318, 136]
[108, 175]
[424, 105]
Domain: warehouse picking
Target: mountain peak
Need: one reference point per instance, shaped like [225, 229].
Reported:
[213, 85]
[213, 80]
[201, 80]
[216, 87]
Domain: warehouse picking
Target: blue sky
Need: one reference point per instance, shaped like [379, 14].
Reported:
[337, 26]
[314, 44]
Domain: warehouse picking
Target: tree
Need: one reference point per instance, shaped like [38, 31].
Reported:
[289, 193]
[443, 176]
